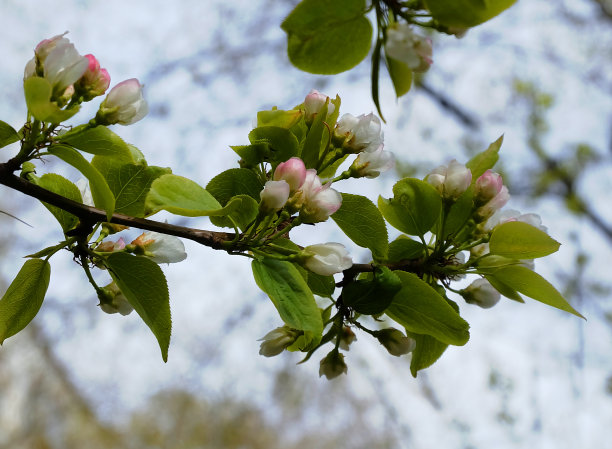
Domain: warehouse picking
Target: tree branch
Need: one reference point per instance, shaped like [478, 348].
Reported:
[90, 215]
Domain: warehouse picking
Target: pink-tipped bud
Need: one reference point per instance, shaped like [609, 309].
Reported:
[487, 186]
[314, 102]
[318, 201]
[293, 172]
[124, 104]
[95, 80]
[493, 205]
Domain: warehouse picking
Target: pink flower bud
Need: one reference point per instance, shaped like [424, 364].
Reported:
[293, 172]
[318, 201]
[450, 180]
[314, 102]
[372, 164]
[481, 293]
[487, 186]
[405, 46]
[124, 104]
[274, 196]
[359, 134]
[94, 81]
[327, 258]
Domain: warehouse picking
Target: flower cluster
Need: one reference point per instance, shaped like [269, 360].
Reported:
[74, 78]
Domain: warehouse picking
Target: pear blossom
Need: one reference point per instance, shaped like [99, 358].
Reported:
[293, 172]
[372, 164]
[94, 81]
[114, 300]
[395, 342]
[109, 246]
[316, 201]
[450, 180]
[495, 204]
[161, 248]
[83, 187]
[362, 133]
[481, 293]
[124, 104]
[504, 216]
[327, 258]
[274, 196]
[332, 365]
[276, 341]
[314, 102]
[408, 47]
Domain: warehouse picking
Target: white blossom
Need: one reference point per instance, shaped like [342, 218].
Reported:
[327, 258]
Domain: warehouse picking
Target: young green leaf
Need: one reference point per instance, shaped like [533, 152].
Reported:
[404, 248]
[466, 13]
[531, 284]
[312, 146]
[23, 298]
[38, 99]
[518, 240]
[427, 351]
[102, 195]
[415, 207]
[232, 182]
[182, 196]
[328, 37]
[97, 140]
[420, 309]
[401, 76]
[7, 134]
[129, 182]
[241, 210]
[144, 285]
[290, 294]
[60, 185]
[503, 289]
[361, 221]
[281, 142]
[485, 160]
[278, 117]
[372, 296]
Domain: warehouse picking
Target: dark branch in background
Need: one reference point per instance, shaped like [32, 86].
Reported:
[466, 119]
[91, 215]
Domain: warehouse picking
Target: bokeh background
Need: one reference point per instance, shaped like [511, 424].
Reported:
[531, 376]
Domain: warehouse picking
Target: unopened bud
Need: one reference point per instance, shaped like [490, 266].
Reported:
[395, 342]
[332, 365]
[481, 293]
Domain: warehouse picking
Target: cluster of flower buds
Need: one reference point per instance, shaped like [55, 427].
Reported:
[300, 190]
[79, 78]
[408, 47]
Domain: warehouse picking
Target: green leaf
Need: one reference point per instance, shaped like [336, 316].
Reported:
[279, 118]
[466, 13]
[144, 285]
[401, 76]
[7, 134]
[130, 183]
[372, 296]
[328, 37]
[485, 160]
[23, 298]
[320, 285]
[241, 210]
[100, 192]
[252, 155]
[60, 185]
[98, 140]
[531, 284]
[420, 309]
[232, 182]
[281, 142]
[312, 146]
[361, 221]
[518, 240]
[427, 351]
[38, 99]
[290, 294]
[182, 196]
[504, 289]
[459, 213]
[404, 248]
[415, 207]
